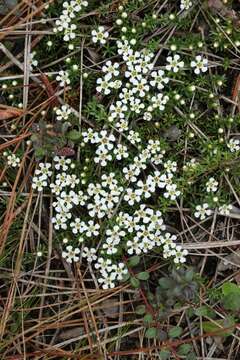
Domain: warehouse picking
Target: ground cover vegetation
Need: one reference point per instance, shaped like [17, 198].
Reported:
[119, 183]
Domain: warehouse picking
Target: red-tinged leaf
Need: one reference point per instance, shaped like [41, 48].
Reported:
[66, 151]
[49, 89]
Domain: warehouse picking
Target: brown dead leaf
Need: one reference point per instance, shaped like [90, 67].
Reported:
[9, 112]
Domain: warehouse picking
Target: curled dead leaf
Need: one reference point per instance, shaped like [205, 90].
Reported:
[9, 112]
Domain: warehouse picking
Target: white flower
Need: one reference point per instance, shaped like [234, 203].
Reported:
[170, 166]
[103, 85]
[147, 116]
[71, 254]
[200, 64]
[102, 157]
[90, 254]
[121, 152]
[63, 78]
[105, 140]
[90, 136]
[78, 226]
[123, 47]
[59, 222]
[132, 196]
[32, 61]
[125, 95]
[159, 79]
[110, 69]
[61, 163]
[146, 189]
[117, 110]
[212, 185]
[122, 125]
[171, 192]
[131, 173]
[43, 170]
[63, 113]
[136, 105]
[162, 180]
[92, 229]
[38, 183]
[225, 209]
[133, 137]
[179, 255]
[13, 160]
[159, 101]
[107, 280]
[202, 211]
[119, 270]
[141, 87]
[185, 4]
[134, 246]
[69, 33]
[234, 145]
[100, 35]
[174, 63]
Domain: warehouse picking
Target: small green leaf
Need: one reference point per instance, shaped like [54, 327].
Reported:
[151, 333]
[133, 261]
[229, 287]
[140, 309]
[175, 332]
[184, 349]
[225, 327]
[134, 282]
[144, 275]
[74, 135]
[191, 356]
[148, 318]
[205, 311]
[164, 354]
[231, 301]
[125, 277]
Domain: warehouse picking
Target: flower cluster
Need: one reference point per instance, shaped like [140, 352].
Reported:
[85, 214]
[69, 13]
[41, 176]
[12, 159]
[185, 4]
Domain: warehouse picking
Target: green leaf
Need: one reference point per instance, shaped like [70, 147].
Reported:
[232, 301]
[125, 277]
[205, 311]
[74, 135]
[191, 356]
[228, 326]
[175, 332]
[229, 287]
[140, 309]
[151, 333]
[164, 354]
[134, 282]
[148, 318]
[144, 275]
[133, 261]
[184, 349]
